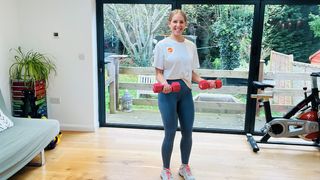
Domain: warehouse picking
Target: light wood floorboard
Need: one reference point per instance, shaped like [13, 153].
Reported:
[134, 154]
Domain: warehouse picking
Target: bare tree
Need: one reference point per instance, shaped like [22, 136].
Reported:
[135, 26]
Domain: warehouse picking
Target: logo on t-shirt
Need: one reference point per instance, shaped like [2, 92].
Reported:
[170, 49]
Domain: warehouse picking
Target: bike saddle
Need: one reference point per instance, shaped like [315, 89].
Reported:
[261, 85]
[315, 74]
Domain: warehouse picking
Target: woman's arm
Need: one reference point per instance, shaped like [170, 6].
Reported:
[196, 78]
[160, 78]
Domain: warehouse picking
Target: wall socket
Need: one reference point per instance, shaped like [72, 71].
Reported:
[55, 100]
[55, 35]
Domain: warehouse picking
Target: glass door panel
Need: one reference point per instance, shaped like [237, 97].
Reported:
[130, 34]
[222, 34]
[290, 49]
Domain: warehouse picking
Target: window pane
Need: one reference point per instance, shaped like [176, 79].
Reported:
[132, 29]
[291, 43]
[130, 34]
[222, 34]
[223, 37]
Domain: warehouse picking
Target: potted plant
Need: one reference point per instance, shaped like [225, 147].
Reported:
[31, 66]
[29, 74]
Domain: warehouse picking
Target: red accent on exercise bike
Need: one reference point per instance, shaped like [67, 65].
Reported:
[309, 115]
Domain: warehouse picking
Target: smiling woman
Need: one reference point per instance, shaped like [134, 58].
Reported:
[175, 61]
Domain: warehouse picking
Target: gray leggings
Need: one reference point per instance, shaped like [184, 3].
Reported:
[173, 106]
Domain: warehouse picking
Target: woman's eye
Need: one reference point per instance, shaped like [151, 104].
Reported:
[180, 22]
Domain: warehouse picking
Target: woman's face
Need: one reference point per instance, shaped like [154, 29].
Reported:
[177, 24]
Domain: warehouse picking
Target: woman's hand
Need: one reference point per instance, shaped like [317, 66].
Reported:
[212, 84]
[166, 88]
[159, 76]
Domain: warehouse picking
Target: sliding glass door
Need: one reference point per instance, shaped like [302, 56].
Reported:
[130, 34]
[237, 41]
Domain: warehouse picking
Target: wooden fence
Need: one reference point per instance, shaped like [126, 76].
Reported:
[226, 89]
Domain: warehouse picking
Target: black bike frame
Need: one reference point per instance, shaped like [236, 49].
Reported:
[313, 98]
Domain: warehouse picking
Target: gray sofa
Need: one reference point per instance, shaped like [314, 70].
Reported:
[24, 141]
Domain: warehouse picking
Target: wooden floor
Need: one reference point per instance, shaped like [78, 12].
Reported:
[202, 120]
[134, 154]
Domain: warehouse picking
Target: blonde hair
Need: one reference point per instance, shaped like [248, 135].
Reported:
[177, 11]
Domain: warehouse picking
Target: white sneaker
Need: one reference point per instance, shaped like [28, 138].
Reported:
[185, 172]
[166, 174]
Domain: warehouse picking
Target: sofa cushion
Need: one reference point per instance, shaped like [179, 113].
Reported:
[5, 122]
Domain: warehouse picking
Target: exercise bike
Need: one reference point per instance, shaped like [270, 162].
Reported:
[301, 121]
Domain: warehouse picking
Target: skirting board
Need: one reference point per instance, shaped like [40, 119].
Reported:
[74, 127]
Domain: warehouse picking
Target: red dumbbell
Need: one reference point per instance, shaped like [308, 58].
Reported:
[157, 87]
[204, 84]
[218, 83]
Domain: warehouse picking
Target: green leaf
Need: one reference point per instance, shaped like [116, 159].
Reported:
[31, 65]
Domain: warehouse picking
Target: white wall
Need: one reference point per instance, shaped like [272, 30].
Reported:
[74, 53]
[9, 36]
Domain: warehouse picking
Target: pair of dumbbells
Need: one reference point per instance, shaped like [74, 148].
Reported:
[158, 87]
[204, 84]
[175, 86]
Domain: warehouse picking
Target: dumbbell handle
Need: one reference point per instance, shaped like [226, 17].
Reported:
[158, 87]
[204, 84]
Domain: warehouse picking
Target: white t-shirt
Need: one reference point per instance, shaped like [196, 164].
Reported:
[176, 59]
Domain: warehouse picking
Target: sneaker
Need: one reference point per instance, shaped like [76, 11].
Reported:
[185, 172]
[166, 174]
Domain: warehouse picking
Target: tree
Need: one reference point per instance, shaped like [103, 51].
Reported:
[287, 30]
[232, 28]
[199, 26]
[315, 24]
[135, 26]
[223, 33]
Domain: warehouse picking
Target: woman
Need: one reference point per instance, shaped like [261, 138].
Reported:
[175, 59]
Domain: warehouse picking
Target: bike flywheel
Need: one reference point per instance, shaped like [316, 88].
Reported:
[309, 116]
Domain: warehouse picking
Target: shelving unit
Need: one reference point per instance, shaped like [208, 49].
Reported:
[29, 98]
